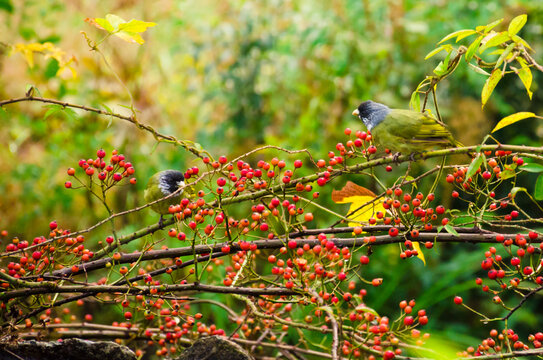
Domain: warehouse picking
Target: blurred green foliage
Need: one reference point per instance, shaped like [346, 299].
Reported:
[233, 75]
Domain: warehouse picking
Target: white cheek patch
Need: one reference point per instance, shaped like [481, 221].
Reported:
[163, 186]
[180, 184]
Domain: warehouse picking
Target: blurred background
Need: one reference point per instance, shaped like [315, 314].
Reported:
[233, 75]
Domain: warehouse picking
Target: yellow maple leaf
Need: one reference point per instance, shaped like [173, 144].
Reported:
[48, 50]
[363, 207]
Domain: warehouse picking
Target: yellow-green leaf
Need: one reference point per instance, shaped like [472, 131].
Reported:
[494, 39]
[130, 37]
[414, 104]
[474, 166]
[525, 75]
[492, 25]
[473, 48]
[511, 119]
[136, 26]
[420, 254]
[538, 191]
[517, 24]
[520, 40]
[478, 69]
[490, 84]
[434, 52]
[460, 34]
[505, 54]
[115, 20]
[105, 24]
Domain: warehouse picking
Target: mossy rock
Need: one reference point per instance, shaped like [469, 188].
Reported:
[214, 348]
[69, 349]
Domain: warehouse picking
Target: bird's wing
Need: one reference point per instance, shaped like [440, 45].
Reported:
[419, 127]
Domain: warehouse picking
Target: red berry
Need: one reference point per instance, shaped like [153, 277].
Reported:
[364, 260]
[458, 300]
[393, 232]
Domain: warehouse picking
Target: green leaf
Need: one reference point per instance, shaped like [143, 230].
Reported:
[532, 167]
[450, 230]
[494, 39]
[105, 24]
[414, 103]
[473, 48]
[520, 40]
[435, 51]
[460, 34]
[516, 189]
[108, 109]
[504, 55]
[55, 109]
[441, 68]
[474, 166]
[538, 192]
[490, 84]
[51, 110]
[478, 69]
[511, 119]
[496, 52]
[492, 25]
[516, 24]
[508, 172]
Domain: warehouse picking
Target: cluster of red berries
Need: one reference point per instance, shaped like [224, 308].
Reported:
[498, 268]
[362, 143]
[384, 340]
[242, 176]
[108, 174]
[486, 180]
[45, 253]
[501, 342]
[414, 213]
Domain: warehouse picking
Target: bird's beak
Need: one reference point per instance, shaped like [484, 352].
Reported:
[356, 112]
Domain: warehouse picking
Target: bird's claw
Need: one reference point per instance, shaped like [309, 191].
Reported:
[396, 156]
[161, 222]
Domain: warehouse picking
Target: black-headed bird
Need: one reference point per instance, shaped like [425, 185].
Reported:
[404, 131]
[163, 184]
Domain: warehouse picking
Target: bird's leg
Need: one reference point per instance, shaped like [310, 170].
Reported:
[161, 222]
[396, 156]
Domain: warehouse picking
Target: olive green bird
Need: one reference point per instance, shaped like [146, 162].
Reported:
[163, 184]
[404, 131]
